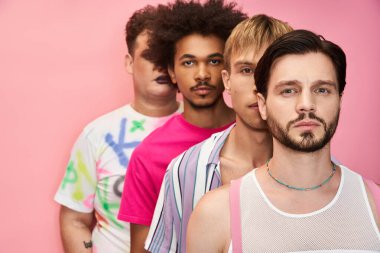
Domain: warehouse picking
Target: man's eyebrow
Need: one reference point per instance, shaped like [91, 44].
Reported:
[296, 82]
[326, 82]
[287, 82]
[190, 56]
[187, 56]
[215, 55]
[244, 63]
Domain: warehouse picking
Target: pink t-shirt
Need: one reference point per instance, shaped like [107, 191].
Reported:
[148, 164]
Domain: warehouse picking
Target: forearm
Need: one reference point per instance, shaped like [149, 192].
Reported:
[138, 236]
[76, 239]
[76, 231]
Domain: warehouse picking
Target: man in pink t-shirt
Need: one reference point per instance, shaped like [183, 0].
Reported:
[149, 162]
[189, 41]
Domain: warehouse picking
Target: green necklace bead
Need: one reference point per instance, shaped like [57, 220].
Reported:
[302, 188]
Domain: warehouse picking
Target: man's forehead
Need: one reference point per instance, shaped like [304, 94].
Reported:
[313, 58]
[199, 45]
[303, 68]
[249, 55]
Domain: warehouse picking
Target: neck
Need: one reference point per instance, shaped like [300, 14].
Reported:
[216, 116]
[249, 144]
[158, 107]
[300, 168]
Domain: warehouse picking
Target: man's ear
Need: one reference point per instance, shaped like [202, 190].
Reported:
[226, 81]
[128, 63]
[172, 75]
[262, 105]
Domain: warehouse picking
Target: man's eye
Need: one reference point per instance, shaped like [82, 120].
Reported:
[247, 71]
[188, 63]
[215, 62]
[322, 91]
[288, 91]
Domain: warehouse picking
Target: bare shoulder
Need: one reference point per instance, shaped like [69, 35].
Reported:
[213, 206]
[218, 196]
[209, 228]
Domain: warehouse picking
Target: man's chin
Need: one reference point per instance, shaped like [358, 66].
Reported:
[203, 103]
[305, 145]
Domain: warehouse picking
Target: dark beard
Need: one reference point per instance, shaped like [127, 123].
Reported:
[308, 143]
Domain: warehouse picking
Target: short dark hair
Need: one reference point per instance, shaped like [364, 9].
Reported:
[138, 23]
[300, 42]
[183, 18]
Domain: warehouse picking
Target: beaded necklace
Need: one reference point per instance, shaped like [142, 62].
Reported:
[302, 188]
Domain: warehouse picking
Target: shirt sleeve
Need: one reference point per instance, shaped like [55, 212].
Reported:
[139, 195]
[162, 233]
[77, 189]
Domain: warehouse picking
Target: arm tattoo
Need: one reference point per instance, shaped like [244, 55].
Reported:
[87, 244]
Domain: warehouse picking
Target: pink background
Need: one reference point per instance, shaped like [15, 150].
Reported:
[61, 65]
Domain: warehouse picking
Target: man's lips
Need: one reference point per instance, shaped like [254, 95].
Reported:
[306, 124]
[203, 89]
[163, 79]
[254, 105]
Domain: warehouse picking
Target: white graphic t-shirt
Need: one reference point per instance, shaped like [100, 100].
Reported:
[94, 177]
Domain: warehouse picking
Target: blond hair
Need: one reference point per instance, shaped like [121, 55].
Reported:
[252, 34]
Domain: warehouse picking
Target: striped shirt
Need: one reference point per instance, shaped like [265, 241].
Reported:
[188, 177]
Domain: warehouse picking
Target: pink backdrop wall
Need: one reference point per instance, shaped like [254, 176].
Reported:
[61, 65]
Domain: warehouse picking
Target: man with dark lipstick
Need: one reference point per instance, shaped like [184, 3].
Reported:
[189, 41]
[95, 174]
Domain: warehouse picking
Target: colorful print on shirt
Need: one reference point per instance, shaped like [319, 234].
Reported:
[94, 177]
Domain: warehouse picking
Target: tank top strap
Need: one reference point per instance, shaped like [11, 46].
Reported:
[235, 220]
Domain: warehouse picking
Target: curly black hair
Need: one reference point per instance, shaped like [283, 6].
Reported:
[181, 18]
[138, 23]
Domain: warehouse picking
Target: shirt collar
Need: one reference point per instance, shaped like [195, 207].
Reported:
[219, 143]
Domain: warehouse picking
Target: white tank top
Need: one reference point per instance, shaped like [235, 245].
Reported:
[346, 224]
